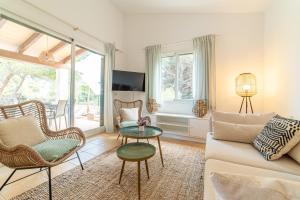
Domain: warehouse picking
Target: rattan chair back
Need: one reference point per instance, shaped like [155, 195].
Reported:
[118, 105]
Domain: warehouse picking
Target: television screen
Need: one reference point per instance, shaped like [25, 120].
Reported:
[128, 81]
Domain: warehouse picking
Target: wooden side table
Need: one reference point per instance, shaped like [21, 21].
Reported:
[136, 152]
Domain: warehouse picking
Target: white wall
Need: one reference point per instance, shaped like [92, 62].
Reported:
[239, 46]
[97, 17]
[282, 58]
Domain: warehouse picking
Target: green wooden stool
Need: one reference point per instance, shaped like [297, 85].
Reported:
[136, 152]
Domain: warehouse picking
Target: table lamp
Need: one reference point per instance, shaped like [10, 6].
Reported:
[245, 86]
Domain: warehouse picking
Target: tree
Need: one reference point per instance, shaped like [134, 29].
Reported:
[177, 80]
[14, 74]
[5, 82]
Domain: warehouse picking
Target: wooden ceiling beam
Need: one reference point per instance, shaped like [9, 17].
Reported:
[26, 58]
[57, 47]
[77, 53]
[29, 42]
[2, 22]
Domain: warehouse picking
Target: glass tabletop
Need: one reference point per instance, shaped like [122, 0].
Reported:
[133, 132]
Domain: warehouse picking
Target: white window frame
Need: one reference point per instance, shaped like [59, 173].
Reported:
[176, 55]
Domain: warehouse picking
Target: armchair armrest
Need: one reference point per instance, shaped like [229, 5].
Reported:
[21, 156]
[70, 133]
[118, 119]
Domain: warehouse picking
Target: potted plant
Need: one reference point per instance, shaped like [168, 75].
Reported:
[142, 123]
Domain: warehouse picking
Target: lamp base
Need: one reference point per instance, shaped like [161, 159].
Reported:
[247, 99]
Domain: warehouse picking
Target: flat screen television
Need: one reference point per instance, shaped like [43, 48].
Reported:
[128, 81]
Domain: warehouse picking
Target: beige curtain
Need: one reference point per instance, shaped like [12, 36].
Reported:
[108, 98]
[204, 70]
[153, 62]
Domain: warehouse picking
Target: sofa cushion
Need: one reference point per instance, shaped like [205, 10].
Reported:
[278, 137]
[295, 153]
[212, 165]
[128, 123]
[245, 133]
[52, 150]
[235, 187]
[237, 118]
[130, 114]
[22, 130]
[246, 154]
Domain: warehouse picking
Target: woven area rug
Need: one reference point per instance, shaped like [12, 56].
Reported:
[181, 178]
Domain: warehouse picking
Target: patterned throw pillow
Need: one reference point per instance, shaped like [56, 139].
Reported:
[278, 137]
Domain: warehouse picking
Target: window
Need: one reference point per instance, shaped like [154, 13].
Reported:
[177, 77]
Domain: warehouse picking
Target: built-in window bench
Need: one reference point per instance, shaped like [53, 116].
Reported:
[187, 127]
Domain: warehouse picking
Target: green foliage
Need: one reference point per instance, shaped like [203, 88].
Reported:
[20, 81]
[177, 77]
[185, 76]
[25, 69]
[168, 77]
[23, 81]
[86, 95]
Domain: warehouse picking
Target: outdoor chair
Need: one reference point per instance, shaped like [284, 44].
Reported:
[58, 112]
[120, 122]
[56, 147]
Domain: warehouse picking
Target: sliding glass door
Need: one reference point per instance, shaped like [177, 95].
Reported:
[88, 89]
[35, 65]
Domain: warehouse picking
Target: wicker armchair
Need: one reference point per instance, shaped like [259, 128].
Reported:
[118, 105]
[25, 157]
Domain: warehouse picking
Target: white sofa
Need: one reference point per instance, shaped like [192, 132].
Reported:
[241, 158]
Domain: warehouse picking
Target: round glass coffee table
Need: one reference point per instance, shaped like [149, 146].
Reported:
[149, 132]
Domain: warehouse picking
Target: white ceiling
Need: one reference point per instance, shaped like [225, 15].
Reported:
[190, 6]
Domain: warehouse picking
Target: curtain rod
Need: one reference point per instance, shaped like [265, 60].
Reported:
[182, 41]
[8, 15]
[171, 43]
[179, 42]
[74, 27]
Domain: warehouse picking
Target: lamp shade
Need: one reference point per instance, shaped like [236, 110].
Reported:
[245, 85]
[47, 57]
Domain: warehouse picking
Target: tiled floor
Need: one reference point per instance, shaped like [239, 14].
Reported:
[95, 146]
[82, 123]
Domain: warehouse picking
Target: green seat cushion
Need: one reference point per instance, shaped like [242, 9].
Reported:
[54, 149]
[128, 123]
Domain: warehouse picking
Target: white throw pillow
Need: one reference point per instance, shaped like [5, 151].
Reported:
[295, 153]
[22, 130]
[238, 118]
[130, 114]
[240, 187]
[245, 133]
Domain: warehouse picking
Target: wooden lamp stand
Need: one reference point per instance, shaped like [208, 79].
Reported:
[248, 98]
